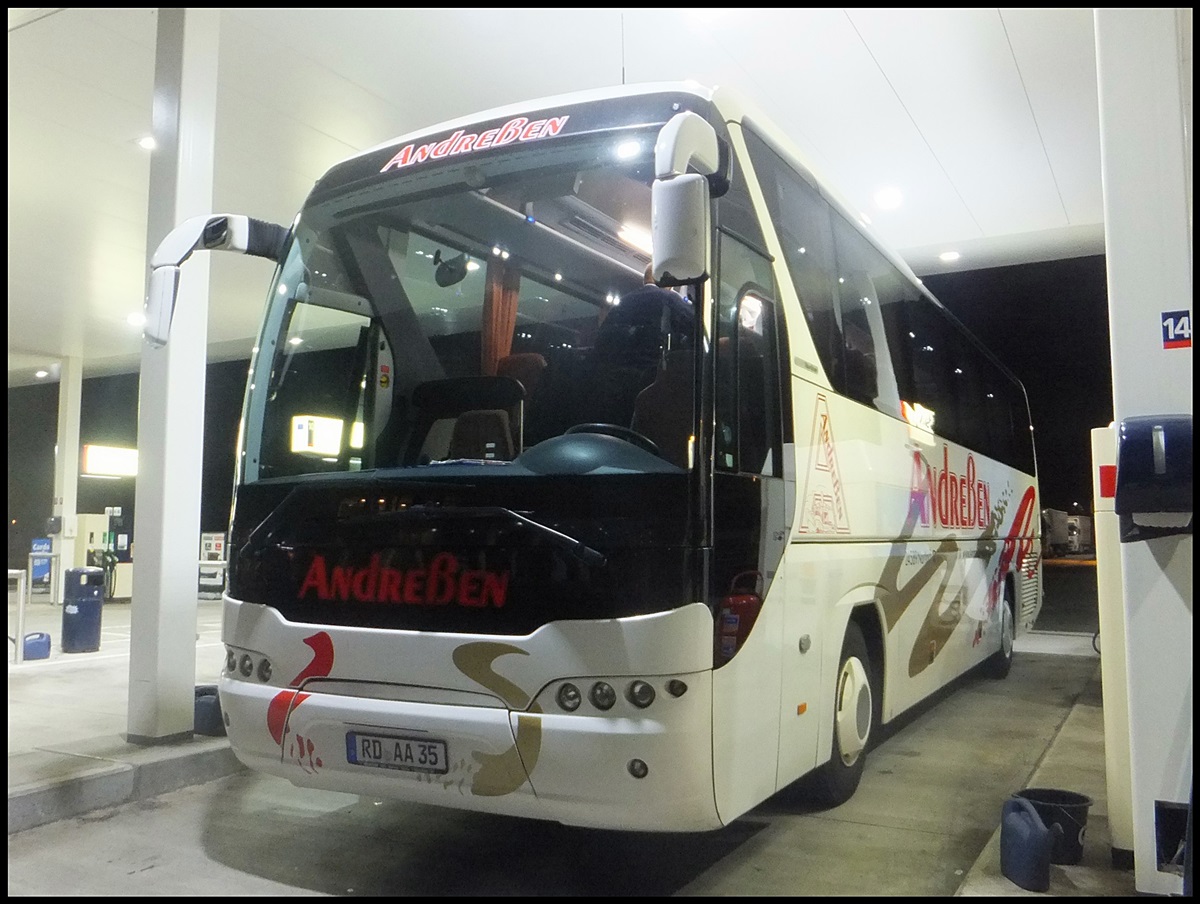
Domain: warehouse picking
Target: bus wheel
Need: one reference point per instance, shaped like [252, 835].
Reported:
[1000, 663]
[854, 714]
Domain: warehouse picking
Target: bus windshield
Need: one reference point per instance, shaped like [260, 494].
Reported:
[461, 312]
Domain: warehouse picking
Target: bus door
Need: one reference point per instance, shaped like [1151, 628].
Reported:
[752, 504]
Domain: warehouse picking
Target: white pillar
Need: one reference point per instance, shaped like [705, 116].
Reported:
[162, 661]
[66, 471]
[1144, 78]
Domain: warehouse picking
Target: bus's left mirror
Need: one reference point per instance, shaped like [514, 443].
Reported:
[222, 232]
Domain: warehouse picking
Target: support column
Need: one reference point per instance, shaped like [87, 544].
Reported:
[162, 660]
[1144, 78]
[66, 471]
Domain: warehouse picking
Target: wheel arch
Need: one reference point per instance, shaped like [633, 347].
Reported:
[869, 619]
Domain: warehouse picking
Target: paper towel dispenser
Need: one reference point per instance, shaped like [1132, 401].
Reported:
[1154, 477]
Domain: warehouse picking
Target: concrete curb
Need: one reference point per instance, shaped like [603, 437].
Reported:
[60, 783]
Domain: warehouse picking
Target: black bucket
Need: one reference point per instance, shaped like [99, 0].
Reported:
[1070, 811]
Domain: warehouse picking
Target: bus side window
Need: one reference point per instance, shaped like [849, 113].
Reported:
[802, 223]
[861, 268]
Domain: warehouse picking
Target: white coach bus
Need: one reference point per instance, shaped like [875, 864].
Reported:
[514, 532]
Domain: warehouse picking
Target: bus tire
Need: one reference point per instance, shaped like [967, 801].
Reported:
[999, 664]
[855, 713]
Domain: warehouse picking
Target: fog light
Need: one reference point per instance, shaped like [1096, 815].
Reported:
[640, 694]
[247, 666]
[638, 769]
[602, 695]
[264, 670]
[569, 697]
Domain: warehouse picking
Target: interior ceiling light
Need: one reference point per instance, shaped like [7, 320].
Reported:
[888, 198]
[628, 149]
[42, 374]
[137, 318]
[147, 143]
[947, 257]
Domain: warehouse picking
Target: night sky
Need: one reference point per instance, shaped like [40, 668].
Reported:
[1048, 322]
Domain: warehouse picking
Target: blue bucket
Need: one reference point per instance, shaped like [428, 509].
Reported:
[1069, 811]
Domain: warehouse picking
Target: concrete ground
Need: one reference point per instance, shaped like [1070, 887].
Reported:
[926, 820]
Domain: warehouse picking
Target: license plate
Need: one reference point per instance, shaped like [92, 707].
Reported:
[396, 752]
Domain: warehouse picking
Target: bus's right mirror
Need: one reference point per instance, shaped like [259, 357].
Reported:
[686, 154]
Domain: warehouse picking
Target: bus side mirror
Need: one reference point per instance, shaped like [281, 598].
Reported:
[223, 232]
[687, 156]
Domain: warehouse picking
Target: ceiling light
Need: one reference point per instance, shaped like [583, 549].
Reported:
[636, 236]
[147, 143]
[888, 198]
[42, 374]
[947, 257]
[137, 319]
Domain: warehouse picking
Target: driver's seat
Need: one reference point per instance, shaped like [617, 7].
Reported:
[663, 410]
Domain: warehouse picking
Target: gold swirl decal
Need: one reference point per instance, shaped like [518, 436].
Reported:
[894, 597]
[502, 773]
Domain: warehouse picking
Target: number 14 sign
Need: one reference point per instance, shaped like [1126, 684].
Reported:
[1177, 329]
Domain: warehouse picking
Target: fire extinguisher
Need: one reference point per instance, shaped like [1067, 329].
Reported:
[736, 615]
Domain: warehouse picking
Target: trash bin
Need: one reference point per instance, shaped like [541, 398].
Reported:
[83, 601]
[1069, 810]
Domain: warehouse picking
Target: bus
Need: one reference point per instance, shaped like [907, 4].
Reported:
[514, 532]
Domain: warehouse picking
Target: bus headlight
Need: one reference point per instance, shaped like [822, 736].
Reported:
[640, 694]
[602, 695]
[264, 671]
[569, 698]
[246, 666]
[230, 661]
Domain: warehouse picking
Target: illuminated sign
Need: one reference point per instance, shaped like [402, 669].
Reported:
[444, 582]
[918, 415]
[316, 435]
[109, 461]
[461, 142]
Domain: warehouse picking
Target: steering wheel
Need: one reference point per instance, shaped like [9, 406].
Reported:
[630, 436]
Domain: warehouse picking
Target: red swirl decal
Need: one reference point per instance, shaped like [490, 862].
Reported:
[285, 701]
